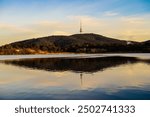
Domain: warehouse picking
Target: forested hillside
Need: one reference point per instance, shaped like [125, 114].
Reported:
[78, 43]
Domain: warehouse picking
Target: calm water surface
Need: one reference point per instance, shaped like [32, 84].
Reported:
[75, 76]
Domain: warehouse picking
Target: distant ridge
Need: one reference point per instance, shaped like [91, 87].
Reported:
[77, 43]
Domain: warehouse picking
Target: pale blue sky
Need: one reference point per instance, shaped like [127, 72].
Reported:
[21, 19]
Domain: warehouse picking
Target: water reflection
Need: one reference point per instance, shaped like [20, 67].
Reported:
[112, 77]
[76, 65]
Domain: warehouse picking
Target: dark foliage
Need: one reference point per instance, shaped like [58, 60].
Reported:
[78, 43]
[73, 64]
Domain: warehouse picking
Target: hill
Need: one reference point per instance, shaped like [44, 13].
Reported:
[78, 43]
[147, 42]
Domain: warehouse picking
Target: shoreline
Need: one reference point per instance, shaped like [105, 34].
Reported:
[72, 55]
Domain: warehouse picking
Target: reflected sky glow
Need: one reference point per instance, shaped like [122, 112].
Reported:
[18, 81]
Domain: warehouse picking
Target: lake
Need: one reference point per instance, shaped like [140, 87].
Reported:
[75, 77]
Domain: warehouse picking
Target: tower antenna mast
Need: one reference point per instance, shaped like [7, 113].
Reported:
[81, 30]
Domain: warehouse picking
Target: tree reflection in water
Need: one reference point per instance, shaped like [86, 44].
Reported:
[81, 65]
[119, 83]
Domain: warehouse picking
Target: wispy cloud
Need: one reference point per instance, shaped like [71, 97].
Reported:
[135, 28]
[22, 19]
[133, 20]
[111, 13]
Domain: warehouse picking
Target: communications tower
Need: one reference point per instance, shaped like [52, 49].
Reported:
[81, 30]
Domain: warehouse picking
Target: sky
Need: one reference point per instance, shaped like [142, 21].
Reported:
[121, 19]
